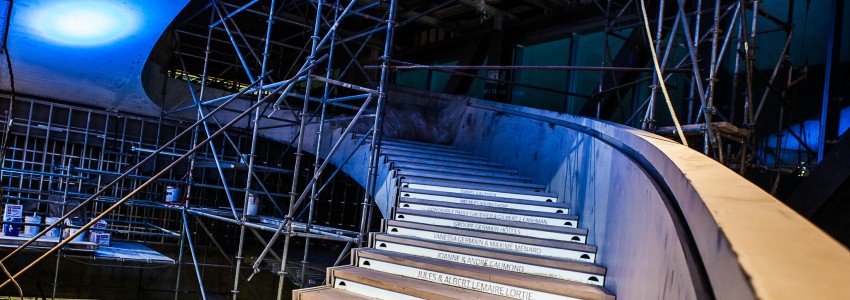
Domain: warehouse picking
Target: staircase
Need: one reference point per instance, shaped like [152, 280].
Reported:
[467, 228]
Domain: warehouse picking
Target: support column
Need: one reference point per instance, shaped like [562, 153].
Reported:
[830, 112]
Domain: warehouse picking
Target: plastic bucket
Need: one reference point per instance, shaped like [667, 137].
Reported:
[253, 205]
[172, 194]
[12, 229]
[32, 230]
[53, 233]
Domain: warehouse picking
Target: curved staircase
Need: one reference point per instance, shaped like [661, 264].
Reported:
[467, 228]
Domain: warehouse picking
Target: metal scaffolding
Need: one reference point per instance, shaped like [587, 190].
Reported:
[109, 165]
[221, 147]
[681, 45]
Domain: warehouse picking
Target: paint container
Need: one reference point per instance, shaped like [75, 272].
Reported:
[100, 238]
[70, 231]
[12, 213]
[99, 226]
[12, 229]
[53, 233]
[32, 230]
[253, 205]
[172, 194]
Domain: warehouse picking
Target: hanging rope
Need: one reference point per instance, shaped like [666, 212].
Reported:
[660, 75]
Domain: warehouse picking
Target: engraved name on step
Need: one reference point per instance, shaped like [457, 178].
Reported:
[488, 243]
[478, 193]
[480, 261]
[475, 285]
[483, 203]
[485, 227]
[489, 215]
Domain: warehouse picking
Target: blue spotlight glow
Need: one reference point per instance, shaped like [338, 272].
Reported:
[85, 23]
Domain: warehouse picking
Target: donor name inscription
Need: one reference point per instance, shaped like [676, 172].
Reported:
[514, 247]
[476, 285]
[478, 193]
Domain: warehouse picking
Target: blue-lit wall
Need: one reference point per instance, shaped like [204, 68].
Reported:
[793, 151]
[86, 51]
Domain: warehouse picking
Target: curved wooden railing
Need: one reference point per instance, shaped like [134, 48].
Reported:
[737, 241]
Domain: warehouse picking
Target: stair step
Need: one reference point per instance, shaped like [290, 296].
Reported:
[489, 212]
[497, 282]
[427, 150]
[394, 156]
[535, 194]
[438, 156]
[391, 141]
[427, 163]
[479, 200]
[510, 243]
[326, 292]
[383, 285]
[515, 262]
[468, 178]
[501, 173]
[577, 235]
[429, 153]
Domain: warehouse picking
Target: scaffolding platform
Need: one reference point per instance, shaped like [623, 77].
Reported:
[135, 252]
[117, 251]
[725, 129]
[44, 243]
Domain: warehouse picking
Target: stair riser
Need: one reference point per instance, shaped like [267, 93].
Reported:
[478, 192]
[494, 244]
[492, 228]
[492, 263]
[458, 281]
[491, 215]
[486, 203]
[371, 291]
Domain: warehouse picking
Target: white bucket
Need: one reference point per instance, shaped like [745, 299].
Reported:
[32, 230]
[172, 194]
[79, 238]
[53, 233]
[253, 205]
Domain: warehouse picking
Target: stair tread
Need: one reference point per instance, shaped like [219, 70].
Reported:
[397, 156]
[406, 285]
[495, 236]
[520, 280]
[482, 197]
[493, 209]
[418, 148]
[411, 160]
[491, 253]
[471, 178]
[508, 174]
[385, 139]
[481, 186]
[506, 223]
[326, 292]
[412, 152]
[425, 164]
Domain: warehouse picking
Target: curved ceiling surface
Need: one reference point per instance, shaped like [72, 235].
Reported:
[90, 52]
